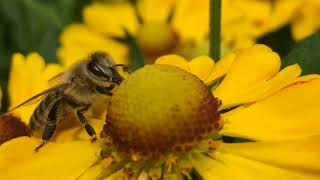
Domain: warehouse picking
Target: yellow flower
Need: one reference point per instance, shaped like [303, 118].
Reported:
[155, 35]
[28, 76]
[55, 161]
[78, 40]
[276, 109]
[244, 21]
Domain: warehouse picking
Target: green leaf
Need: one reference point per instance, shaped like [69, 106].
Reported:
[31, 26]
[307, 54]
[231, 139]
[280, 41]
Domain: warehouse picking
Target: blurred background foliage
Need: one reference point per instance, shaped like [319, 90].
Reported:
[35, 25]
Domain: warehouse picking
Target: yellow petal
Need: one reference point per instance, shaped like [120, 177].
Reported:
[93, 172]
[111, 18]
[191, 19]
[17, 61]
[221, 67]
[299, 155]
[156, 10]
[34, 60]
[24, 71]
[202, 67]
[71, 131]
[78, 41]
[251, 67]
[306, 20]
[265, 88]
[295, 159]
[52, 70]
[173, 60]
[54, 161]
[290, 113]
[105, 169]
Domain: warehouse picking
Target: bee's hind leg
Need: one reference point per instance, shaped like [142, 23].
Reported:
[85, 123]
[50, 127]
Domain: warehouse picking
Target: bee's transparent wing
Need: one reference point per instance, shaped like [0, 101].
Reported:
[53, 81]
[36, 98]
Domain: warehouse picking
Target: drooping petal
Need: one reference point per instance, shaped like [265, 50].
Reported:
[105, 169]
[201, 66]
[299, 155]
[173, 60]
[251, 67]
[18, 160]
[295, 159]
[221, 67]
[111, 18]
[290, 113]
[93, 172]
[78, 41]
[265, 88]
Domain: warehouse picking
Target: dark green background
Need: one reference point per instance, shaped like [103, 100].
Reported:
[33, 25]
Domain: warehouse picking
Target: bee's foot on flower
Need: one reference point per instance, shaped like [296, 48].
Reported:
[40, 146]
[94, 139]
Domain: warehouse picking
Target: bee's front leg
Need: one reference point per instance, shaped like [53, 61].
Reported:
[105, 90]
[85, 123]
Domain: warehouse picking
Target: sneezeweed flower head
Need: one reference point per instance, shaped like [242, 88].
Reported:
[162, 126]
[179, 27]
[160, 27]
[244, 21]
[163, 122]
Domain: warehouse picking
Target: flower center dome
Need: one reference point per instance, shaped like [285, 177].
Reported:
[161, 108]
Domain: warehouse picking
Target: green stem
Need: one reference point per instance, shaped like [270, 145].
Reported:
[215, 26]
[135, 52]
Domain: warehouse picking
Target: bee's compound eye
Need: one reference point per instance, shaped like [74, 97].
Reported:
[95, 68]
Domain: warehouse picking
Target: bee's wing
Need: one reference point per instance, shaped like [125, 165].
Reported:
[40, 96]
[53, 81]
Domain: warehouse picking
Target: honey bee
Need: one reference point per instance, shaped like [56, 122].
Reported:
[76, 89]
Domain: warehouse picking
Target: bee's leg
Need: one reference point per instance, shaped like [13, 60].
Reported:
[105, 90]
[50, 127]
[85, 123]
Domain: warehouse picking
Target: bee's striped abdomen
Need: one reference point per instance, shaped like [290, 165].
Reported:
[40, 115]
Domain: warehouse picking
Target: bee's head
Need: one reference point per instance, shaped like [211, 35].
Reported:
[101, 66]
